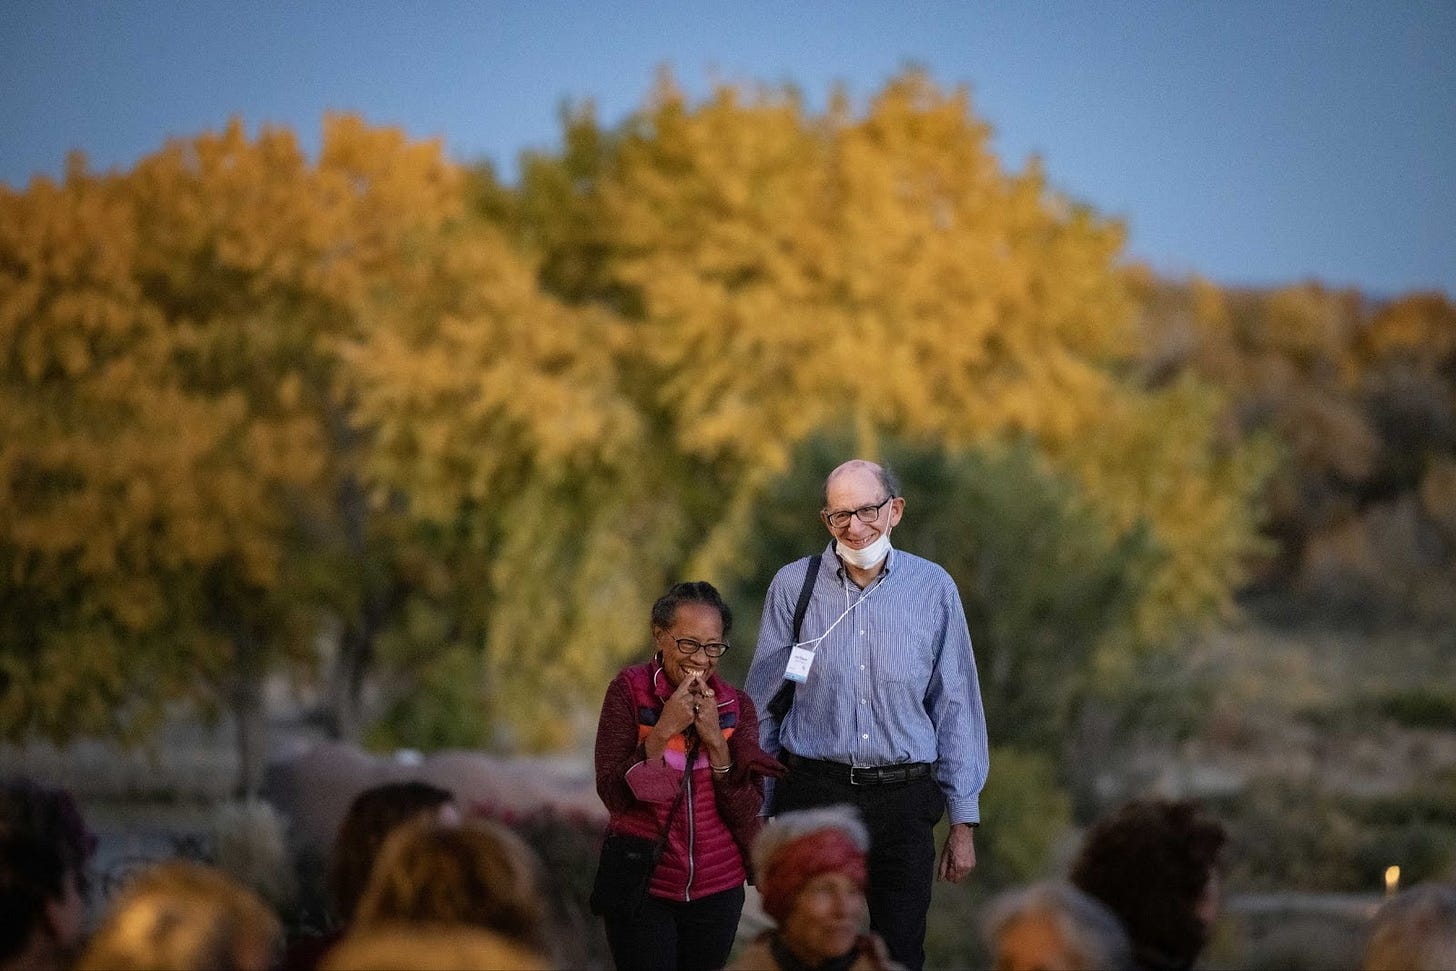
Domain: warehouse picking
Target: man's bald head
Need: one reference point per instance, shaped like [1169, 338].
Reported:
[864, 467]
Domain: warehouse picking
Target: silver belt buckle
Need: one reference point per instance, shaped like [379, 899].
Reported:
[852, 770]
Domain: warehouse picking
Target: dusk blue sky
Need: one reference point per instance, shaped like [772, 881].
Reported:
[1250, 143]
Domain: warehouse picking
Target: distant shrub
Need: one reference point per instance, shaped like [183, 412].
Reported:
[1433, 803]
[1423, 852]
[1419, 707]
[1031, 812]
[1293, 837]
[250, 844]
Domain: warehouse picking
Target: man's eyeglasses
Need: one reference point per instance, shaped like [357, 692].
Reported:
[689, 646]
[865, 514]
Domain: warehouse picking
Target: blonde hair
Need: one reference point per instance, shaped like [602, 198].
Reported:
[477, 873]
[181, 916]
[405, 947]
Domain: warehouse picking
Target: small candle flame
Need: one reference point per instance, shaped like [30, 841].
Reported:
[1392, 880]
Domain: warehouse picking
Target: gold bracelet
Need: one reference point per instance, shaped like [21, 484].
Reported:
[724, 770]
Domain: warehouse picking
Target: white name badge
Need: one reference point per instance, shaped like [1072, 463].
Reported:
[799, 661]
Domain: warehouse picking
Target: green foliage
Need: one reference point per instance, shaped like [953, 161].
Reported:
[1027, 813]
[1418, 707]
[442, 709]
[1026, 816]
[1422, 707]
[1289, 836]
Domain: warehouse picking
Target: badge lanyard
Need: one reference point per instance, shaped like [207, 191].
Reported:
[802, 655]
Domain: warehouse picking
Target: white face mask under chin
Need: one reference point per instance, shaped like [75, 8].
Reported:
[869, 557]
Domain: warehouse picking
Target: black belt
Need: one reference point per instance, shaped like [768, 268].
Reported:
[859, 775]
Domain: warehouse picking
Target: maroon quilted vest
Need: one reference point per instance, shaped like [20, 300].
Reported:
[701, 856]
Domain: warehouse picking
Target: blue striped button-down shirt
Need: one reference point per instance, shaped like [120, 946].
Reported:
[895, 680]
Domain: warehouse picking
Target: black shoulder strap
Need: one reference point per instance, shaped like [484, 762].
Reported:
[783, 699]
[805, 593]
[692, 757]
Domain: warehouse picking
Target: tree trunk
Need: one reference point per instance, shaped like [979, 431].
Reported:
[356, 651]
[248, 715]
[356, 639]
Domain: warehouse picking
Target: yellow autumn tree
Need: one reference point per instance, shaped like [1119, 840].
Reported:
[495, 417]
[876, 269]
[128, 498]
[186, 500]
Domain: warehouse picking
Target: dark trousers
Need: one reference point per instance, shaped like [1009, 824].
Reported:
[901, 818]
[668, 934]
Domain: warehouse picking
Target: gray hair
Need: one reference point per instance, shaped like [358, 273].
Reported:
[790, 826]
[1414, 930]
[1087, 928]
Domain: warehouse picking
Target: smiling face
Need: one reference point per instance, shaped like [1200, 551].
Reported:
[697, 621]
[853, 486]
[825, 918]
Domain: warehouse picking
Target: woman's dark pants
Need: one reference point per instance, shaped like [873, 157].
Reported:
[668, 934]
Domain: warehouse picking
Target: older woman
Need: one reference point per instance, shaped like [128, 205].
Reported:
[1051, 925]
[678, 767]
[810, 868]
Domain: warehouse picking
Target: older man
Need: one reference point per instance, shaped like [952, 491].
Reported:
[884, 710]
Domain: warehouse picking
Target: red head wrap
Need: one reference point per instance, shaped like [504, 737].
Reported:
[801, 860]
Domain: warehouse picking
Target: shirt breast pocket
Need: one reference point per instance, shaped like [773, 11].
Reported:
[904, 658]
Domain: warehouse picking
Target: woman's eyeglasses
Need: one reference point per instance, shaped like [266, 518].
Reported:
[689, 646]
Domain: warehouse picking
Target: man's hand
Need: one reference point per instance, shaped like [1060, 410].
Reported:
[958, 856]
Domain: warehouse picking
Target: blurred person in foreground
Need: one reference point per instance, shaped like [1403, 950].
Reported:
[1414, 931]
[810, 868]
[372, 816]
[885, 711]
[1156, 864]
[1053, 926]
[44, 851]
[404, 947]
[678, 765]
[183, 916]
[475, 873]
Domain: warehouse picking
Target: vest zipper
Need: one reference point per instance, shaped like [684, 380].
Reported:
[688, 888]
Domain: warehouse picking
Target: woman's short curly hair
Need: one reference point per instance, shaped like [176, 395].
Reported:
[1151, 861]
